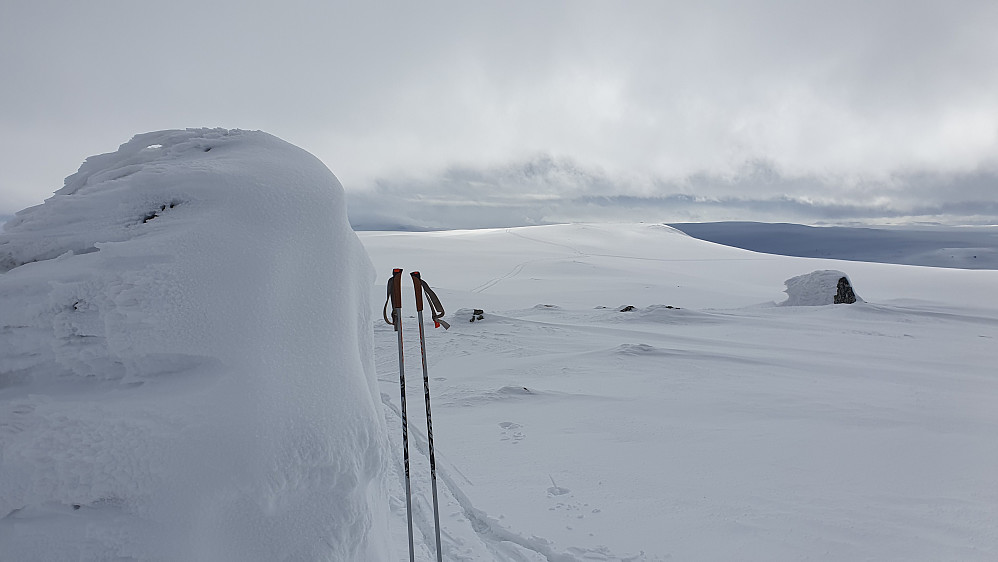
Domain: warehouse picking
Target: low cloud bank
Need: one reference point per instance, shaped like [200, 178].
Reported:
[546, 189]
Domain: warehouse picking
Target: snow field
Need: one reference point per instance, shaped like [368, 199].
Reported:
[729, 428]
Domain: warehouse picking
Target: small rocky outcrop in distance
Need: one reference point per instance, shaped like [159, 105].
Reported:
[844, 293]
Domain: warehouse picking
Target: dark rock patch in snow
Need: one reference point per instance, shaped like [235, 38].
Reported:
[843, 292]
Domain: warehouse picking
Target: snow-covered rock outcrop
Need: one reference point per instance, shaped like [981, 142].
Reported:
[826, 286]
[186, 361]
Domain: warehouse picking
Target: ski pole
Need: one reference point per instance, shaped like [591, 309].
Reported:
[417, 284]
[395, 290]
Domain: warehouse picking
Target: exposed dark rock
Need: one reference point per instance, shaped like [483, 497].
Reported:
[844, 293]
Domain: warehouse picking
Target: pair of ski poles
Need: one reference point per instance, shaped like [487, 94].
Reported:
[395, 295]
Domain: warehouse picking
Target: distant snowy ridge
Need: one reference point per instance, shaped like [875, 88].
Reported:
[935, 246]
[186, 361]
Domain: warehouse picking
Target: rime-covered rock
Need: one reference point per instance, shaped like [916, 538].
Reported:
[827, 286]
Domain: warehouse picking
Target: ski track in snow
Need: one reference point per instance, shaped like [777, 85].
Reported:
[503, 544]
[458, 514]
[519, 267]
[493, 282]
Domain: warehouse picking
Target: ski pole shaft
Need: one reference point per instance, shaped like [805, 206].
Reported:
[396, 293]
[417, 283]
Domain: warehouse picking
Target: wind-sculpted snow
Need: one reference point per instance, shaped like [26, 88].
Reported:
[185, 361]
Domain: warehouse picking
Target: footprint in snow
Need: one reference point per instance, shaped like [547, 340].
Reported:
[511, 432]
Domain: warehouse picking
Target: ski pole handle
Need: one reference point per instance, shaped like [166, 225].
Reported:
[418, 285]
[396, 288]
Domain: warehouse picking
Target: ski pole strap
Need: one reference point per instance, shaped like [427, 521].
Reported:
[436, 309]
[384, 311]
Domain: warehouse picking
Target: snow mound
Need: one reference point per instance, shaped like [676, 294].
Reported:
[637, 349]
[186, 361]
[816, 288]
[659, 314]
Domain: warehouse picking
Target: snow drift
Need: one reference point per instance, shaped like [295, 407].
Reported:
[186, 361]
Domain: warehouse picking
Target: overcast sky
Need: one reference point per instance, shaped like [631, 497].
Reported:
[521, 112]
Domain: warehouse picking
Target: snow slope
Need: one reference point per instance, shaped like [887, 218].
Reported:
[723, 428]
[185, 361]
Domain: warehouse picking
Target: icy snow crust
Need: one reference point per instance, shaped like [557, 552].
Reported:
[185, 361]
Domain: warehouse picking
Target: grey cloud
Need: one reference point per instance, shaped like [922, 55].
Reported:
[547, 190]
[649, 94]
